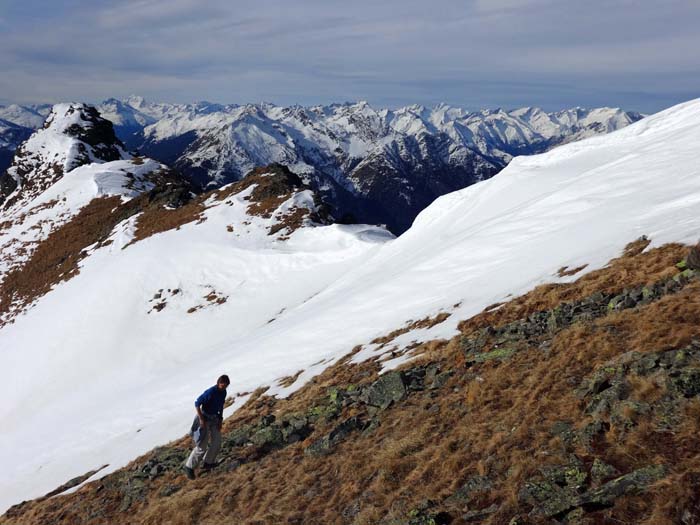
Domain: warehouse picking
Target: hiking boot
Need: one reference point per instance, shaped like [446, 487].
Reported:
[208, 466]
[189, 472]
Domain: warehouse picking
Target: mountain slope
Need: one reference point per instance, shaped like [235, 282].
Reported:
[11, 136]
[302, 303]
[379, 165]
[31, 117]
[376, 166]
[536, 412]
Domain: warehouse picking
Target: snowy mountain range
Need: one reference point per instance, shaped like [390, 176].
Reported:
[377, 166]
[114, 275]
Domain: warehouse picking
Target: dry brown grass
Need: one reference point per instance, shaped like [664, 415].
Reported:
[493, 419]
[158, 219]
[564, 271]
[56, 259]
[426, 322]
[290, 222]
[636, 247]
[647, 389]
[288, 381]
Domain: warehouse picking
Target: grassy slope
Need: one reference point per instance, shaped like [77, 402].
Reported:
[475, 444]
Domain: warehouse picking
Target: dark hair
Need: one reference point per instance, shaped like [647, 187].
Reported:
[223, 379]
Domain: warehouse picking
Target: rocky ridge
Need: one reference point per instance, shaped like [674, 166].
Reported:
[73, 135]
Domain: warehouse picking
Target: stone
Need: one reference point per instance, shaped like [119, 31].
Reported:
[238, 436]
[168, 490]
[230, 466]
[547, 498]
[687, 381]
[325, 444]
[474, 515]
[635, 482]
[591, 432]
[431, 373]
[388, 389]
[268, 437]
[440, 380]
[467, 492]
[471, 345]
[551, 500]
[601, 471]
[565, 431]
[571, 476]
[499, 353]
[576, 517]
[692, 261]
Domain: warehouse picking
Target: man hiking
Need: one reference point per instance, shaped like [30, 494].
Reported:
[207, 426]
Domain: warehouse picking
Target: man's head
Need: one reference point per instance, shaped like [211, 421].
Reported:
[223, 382]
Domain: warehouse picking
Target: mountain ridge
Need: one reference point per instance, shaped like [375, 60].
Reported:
[379, 166]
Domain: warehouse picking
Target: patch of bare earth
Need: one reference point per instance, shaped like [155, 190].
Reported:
[565, 271]
[288, 381]
[466, 433]
[212, 298]
[427, 322]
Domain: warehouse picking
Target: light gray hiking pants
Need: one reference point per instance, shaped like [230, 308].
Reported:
[207, 441]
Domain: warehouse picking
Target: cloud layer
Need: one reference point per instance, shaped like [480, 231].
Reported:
[478, 53]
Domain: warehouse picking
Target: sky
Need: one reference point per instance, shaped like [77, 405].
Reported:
[634, 54]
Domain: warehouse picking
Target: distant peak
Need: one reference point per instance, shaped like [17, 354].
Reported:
[135, 101]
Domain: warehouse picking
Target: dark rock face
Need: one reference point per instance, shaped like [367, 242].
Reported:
[98, 133]
[396, 184]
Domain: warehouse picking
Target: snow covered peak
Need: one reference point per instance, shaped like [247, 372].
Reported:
[135, 101]
[73, 135]
[124, 115]
[24, 116]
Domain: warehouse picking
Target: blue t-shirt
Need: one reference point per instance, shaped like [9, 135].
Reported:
[212, 401]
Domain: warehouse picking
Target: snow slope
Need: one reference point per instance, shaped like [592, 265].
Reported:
[91, 377]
